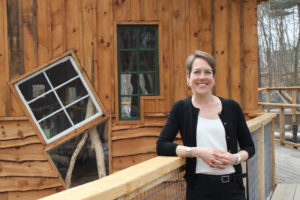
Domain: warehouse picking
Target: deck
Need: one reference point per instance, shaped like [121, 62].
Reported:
[287, 173]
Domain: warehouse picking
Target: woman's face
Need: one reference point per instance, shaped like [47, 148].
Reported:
[201, 79]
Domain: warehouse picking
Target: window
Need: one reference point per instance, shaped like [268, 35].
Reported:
[58, 98]
[137, 67]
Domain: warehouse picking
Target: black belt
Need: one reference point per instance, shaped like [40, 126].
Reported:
[227, 178]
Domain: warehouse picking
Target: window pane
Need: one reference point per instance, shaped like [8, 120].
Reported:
[128, 61]
[61, 73]
[55, 124]
[147, 61]
[130, 107]
[147, 38]
[148, 83]
[44, 106]
[128, 38]
[34, 87]
[71, 92]
[129, 84]
[81, 110]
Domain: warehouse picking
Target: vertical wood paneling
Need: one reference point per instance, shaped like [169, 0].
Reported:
[121, 10]
[89, 34]
[30, 34]
[73, 27]
[58, 26]
[165, 53]
[250, 70]
[235, 50]
[150, 10]
[194, 23]
[137, 9]
[44, 31]
[105, 55]
[4, 69]
[206, 26]
[178, 82]
[221, 36]
[15, 34]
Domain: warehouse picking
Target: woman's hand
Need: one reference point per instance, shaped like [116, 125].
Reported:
[215, 158]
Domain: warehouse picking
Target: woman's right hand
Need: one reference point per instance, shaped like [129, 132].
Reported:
[208, 155]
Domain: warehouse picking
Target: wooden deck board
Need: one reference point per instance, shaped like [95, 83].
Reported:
[287, 164]
[285, 192]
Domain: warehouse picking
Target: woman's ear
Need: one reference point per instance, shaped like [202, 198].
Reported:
[188, 79]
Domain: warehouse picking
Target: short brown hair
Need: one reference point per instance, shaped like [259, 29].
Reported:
[203, 55]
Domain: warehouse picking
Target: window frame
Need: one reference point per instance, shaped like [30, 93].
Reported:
[75, 129]
[138, 72]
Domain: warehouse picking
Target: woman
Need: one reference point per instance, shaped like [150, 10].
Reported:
[211, 128]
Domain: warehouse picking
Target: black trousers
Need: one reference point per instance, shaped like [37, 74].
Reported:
[216, 188]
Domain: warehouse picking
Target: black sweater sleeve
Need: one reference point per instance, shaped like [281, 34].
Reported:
[165, 145]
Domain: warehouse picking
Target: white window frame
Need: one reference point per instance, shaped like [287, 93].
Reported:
[99, 110]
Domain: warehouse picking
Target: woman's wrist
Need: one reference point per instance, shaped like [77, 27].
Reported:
[238, 159]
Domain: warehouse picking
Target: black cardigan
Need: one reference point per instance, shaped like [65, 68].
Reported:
[183, 117]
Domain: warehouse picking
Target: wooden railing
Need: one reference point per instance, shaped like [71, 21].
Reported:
[288, 111]
[136, 181]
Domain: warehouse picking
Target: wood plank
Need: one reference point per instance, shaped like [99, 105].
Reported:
[58, 27]
[29, 183]
[14, 11]
[120, 163]
[30, 195]
[15, 130]
[24, 169]
[89, 37]
[123, 182]
[105, 44]
[221, 23]
[136, 10]
[34, 152]
[178, 79]
[4, 196]
[165, 49]
[235, 50]
[206, 26]
[121, 10]
[134, 133]
[150, 10]
[250, 96]
[194, 23]
[45, 52]
[150, 105]
[73, 27]
[19, 142]
[141, 145]
[30, 34]
[4, 69]
[284, 191]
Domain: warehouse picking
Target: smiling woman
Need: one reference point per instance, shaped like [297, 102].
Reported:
[211, 128]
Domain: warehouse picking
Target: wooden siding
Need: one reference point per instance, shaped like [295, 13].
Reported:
[33, 32]
[24, 165]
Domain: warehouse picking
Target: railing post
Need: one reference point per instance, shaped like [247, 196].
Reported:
[261, 163]
[281, 125]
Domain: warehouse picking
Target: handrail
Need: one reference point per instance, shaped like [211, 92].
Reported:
[133, 180]
[123, 182]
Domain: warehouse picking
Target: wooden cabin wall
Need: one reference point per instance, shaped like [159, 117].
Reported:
[35, 31]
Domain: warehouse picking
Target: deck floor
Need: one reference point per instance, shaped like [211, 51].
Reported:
[287, 162]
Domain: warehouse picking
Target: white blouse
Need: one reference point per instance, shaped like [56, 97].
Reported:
[211, 133]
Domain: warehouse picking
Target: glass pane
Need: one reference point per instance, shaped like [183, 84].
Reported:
[44, 106]
[128, 37]
[148, 83]
[71, 91]
[147, 61]
[129, 84]
[85, 169]
[61, 73]
[34, 87]
[55, 124]
[128, 61]
[147, 37]
[129, 107]
[81, 110]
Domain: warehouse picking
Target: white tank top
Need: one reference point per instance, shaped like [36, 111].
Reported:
[211, 133]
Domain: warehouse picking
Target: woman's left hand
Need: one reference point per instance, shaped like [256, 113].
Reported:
[223, 159]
